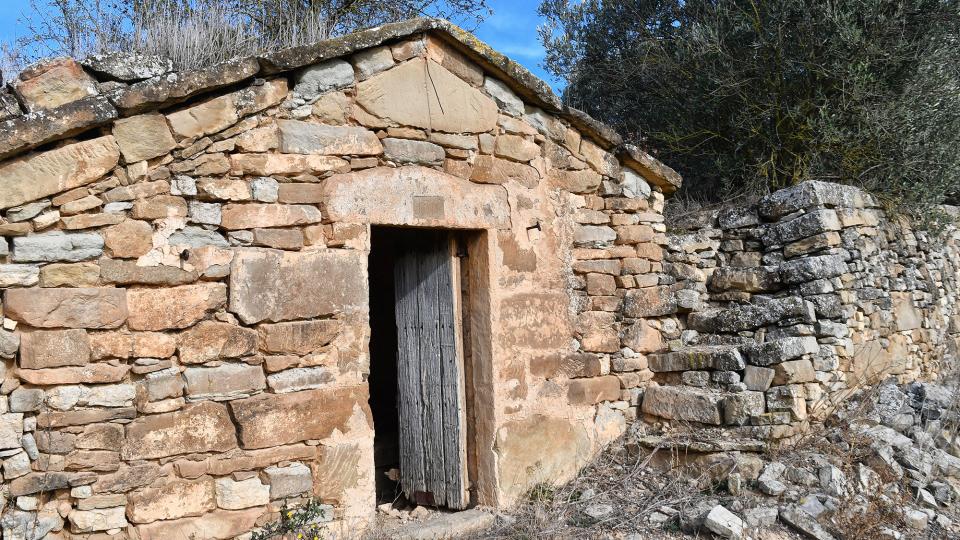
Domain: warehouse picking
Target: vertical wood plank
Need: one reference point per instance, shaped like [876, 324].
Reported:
[430, 382]
[451, 381]
[408, 373]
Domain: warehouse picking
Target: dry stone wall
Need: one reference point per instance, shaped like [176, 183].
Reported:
[789, 305]
[185, 297]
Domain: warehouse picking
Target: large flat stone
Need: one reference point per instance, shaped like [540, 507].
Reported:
[219, 525]
[143, 137]
[42, 174]
[172, 499]
[271, 420]
[211, 340]
[683, 403]
[53, 82]
[67, 308]
[297, 137]
[203, 427]
[54, 348]
[173, 307]
[251, 216]
[416, 196]
[57, 247]
[22, 133]
[221, 112]
[423, 94]
[272, 285]
[299, 337]
[223, 382]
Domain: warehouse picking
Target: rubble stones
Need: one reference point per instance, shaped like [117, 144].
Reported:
[723, 523]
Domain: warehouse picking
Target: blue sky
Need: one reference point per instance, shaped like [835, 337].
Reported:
[511, 30]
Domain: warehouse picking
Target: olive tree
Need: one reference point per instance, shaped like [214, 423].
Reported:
[748, 96]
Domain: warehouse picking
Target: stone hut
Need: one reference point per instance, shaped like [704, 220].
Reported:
[388, 262]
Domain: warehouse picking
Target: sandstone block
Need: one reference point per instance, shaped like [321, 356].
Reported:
[210, 340]
[760, 279]
[493, 170]
[67, 308]
[26, 400]
[406, 151]
[9, 344]
[11, 430]
[221, 112]
[100, 437]
[516, 148]
[324, 77]
[299, 337]
[172, 499]
[224, 382]
[333, 108]
[219, 525]
[794, 372]
[774, 352]
[143, 137]
[413, 195]
[278, 238]
[289, 481]
[758, 378]
[128, 240]
[82, 417]
[581, 181]
[251, 216]
[57, 246]
[80, 275]
[271, 285]
[121, 272]
[52, 83]
[450, 104]
[649, 302]
[272, 420]
[738, 408]
[296, 379]
[683, 403]
[284, 164]
[19, 275]
[202, 427]
[159, 207]
[594, 390]
[236, 495]
[42, 174]
[173, 307]
[54, 348]
[163, 384]
[88, 374]
[504, 96]
[373, 61]
[224, 189]
[99, 519]
[697, 358]
[298, 137]
[811, 268]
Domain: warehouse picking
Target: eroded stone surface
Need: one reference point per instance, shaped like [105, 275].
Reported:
[47, 173]
[202, 427]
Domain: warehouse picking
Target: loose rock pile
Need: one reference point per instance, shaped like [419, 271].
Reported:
[887, 465]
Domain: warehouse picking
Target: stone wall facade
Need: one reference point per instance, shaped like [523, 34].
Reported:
[185, 298]
[788, 305]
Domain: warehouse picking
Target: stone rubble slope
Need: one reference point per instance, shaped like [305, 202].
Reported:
[884, 467]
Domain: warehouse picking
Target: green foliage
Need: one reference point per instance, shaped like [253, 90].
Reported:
[304, 522]
[749, 96]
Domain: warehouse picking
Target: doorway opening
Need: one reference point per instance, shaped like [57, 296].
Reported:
[421, 365]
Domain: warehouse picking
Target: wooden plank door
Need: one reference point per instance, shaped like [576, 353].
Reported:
[429, 369]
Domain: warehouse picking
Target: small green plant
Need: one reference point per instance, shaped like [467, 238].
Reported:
[305, 522]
